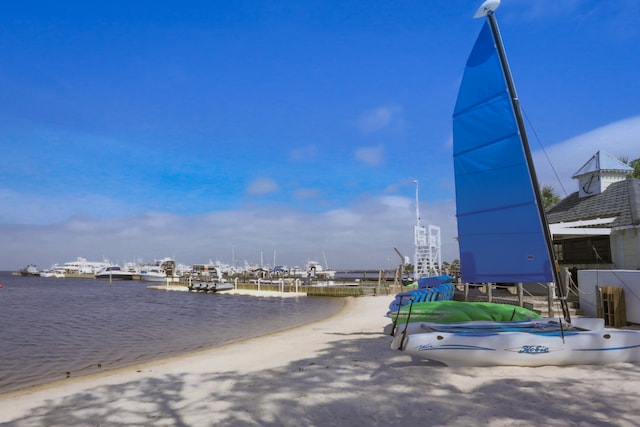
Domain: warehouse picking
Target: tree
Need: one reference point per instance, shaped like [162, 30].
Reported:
[635, 164]
[455, 268]
[549, 197]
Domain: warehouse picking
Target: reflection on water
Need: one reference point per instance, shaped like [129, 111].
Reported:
[53, 328]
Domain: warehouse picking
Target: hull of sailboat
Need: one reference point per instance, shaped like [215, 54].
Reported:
[540, 324]
[513, 348]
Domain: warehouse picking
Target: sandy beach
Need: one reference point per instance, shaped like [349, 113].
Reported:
[336, 372]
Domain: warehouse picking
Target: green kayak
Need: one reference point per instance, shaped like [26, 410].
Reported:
[459, 311]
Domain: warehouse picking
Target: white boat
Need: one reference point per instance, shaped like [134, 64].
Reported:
[162, 271]
[503, 233]
[153, 274]
[114, 272]
[30, 270]
[489, 345]
[82, 266]
[56, 271]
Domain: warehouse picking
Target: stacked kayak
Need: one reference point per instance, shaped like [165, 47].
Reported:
[437, 288]
[460, 311]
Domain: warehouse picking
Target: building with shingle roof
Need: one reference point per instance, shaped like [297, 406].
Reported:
[598, 226]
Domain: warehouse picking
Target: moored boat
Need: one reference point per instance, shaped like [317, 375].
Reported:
[161, 271]
[153, 274]
[30, 270]
[212, 281]
[114, 272]
[56, 271]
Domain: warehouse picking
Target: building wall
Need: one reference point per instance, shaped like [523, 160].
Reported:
[590, 280]
[610, 178]
[625, 248]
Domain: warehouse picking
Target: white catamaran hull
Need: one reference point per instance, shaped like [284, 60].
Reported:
[540, 325]
[490, 348]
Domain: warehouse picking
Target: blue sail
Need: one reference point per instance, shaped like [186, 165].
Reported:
[500, 232]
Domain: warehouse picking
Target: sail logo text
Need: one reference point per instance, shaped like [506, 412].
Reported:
[534, 349]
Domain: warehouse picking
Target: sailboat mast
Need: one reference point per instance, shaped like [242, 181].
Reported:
[417, 205]
[515, 102]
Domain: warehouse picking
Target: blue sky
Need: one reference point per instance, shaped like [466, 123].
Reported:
[210, 130]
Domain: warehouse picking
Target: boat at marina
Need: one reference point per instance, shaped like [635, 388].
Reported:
[29, 270]
[210, 279]
[503, 233]
[161, 271]
[210, 286]
[152, 274]
[313, 269]
[56, 271]
[81, 266]
[114, 272]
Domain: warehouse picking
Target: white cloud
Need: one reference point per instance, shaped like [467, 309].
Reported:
[537, 9]
[303, 154]
[28, 208]
[370, 156]
[359, 236]
[396, 202]
[262, 186]
[306, 193]
[379, 118]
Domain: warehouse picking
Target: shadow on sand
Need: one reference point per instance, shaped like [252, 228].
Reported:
[356, 382]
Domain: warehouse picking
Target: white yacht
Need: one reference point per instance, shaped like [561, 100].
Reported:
[55, 271]
[162, 271]
[114, 272]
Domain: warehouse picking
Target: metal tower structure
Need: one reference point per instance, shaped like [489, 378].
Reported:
[427, 246]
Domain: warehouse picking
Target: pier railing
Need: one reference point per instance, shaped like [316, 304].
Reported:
[321, 287]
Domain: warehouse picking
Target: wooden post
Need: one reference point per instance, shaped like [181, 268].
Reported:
[380, 279]
[550, 294]
[520, 294]
[396, 279]
[599, 307]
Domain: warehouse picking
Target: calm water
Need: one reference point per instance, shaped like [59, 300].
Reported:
[53, 328]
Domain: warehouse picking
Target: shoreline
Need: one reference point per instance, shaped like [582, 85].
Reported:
[246, 292]
[107, 370]
[177, 358]
[336, 371]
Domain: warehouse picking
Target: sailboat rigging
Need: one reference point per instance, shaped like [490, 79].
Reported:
[503, 233]
[502, 228]
[532, 170]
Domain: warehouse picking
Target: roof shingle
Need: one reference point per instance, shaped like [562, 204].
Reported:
[620, 199]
